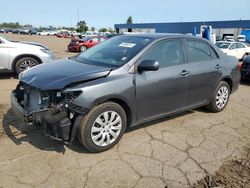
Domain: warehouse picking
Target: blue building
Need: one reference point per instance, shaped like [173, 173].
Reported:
[220, 28]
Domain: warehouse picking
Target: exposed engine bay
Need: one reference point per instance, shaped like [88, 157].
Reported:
[54, 110]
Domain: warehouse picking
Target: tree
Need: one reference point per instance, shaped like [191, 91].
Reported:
[92, 28]
[110, 30]
[103, 29]
[130, 20]
[82, 26]
[10, 25]
[28, 26]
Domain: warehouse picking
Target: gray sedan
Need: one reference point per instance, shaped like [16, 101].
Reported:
[123, 82]
[19, 56]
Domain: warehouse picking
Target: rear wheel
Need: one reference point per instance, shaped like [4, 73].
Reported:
[25, 63]
[102, 127]
[220, 97]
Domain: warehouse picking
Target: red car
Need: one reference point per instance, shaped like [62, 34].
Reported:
[63, 35]
[81, 45]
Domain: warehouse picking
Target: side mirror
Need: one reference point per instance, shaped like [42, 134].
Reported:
[149, 65]
[91, 41]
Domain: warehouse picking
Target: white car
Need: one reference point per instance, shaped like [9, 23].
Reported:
[20, 56]
[47, 33]
[241, 38]
[238, 49]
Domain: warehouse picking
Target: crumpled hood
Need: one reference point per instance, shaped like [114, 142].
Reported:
[60, 73]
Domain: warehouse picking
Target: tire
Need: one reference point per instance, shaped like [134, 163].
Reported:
[83, 48]
[220, 97]
[25, 63]
[94, 136]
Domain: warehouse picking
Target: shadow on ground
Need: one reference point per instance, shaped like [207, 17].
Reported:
[8, 75]
[245, 82]
[18, 133]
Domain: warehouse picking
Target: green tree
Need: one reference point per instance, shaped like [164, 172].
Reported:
[130, 20]
[10, 25]
[82, 26]
[92, 29]
[28, 26]
[110, 30]
[103, 29]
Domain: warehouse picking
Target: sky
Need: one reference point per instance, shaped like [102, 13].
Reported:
[109, 12]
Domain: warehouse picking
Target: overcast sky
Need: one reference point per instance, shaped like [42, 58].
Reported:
[105, 13]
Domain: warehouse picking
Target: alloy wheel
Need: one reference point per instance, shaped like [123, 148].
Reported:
[27, 64]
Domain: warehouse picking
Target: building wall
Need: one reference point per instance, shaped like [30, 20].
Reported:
[186, 27]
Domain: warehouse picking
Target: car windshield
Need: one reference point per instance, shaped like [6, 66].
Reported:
[223, 45]
[114, 52]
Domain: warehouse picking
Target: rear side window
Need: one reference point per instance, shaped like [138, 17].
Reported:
[167, 53]
[198, 51]
[240, 45]
[233, 46]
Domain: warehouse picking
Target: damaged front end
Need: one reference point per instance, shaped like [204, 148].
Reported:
[54, 111]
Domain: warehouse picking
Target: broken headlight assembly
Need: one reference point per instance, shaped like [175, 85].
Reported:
[70, 97]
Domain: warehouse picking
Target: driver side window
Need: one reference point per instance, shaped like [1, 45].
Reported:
[167, 53]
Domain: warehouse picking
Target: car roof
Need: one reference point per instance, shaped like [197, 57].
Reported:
[225, 41]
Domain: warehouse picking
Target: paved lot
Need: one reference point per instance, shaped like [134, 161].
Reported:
[173, 152]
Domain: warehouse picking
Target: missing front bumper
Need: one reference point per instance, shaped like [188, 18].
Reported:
[54, 121]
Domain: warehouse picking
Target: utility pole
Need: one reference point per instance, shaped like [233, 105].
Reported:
[78, 15]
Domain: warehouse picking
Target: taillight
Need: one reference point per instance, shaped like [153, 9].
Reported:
[239, 65]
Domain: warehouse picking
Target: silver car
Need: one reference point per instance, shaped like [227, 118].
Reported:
[19, 56]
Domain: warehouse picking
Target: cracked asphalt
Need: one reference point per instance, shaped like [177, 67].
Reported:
[176, 151]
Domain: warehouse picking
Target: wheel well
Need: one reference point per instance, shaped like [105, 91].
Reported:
[229, 81]
[22, 56]
[84, 45]
[125, 107]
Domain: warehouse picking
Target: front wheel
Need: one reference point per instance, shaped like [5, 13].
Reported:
[102, 127]
[220, 97]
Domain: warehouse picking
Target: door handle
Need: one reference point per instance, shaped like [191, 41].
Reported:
[218, 66]
[184, 73]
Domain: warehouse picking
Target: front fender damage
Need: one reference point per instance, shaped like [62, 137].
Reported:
[62, 123]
